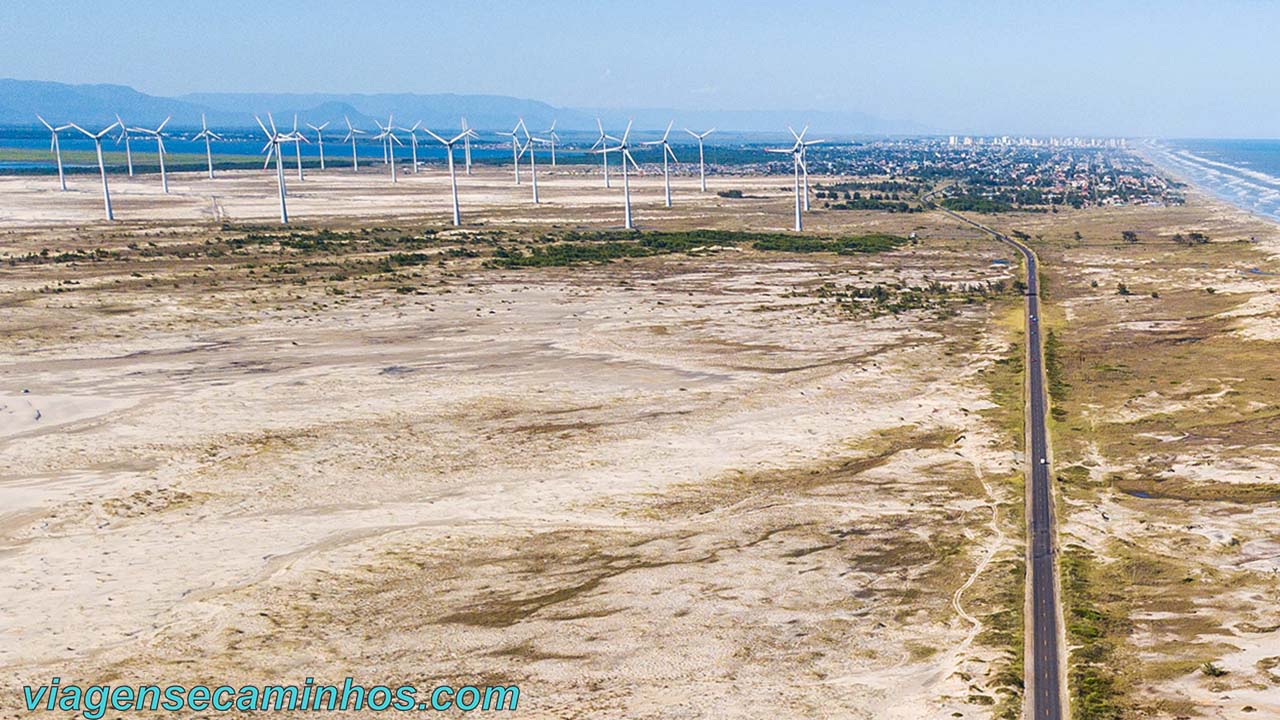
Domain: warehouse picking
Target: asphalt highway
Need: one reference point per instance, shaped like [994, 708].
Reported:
[1045, 683]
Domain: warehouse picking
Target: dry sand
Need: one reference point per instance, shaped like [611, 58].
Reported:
[671, 487]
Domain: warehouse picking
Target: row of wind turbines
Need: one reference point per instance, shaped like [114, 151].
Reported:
[277, 139]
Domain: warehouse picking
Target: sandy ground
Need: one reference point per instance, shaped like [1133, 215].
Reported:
[671, 487]
[1173, 390]
[568, 195]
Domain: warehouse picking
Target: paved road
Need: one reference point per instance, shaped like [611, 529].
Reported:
[1045, 682]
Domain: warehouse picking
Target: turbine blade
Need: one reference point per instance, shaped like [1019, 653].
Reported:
[166, 122]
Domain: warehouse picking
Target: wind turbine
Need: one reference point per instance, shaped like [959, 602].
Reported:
[515, 145]
[124, 135]
[667, 152]
[466, 146]
[797, 159]
[702, 164]
[351, 136]
[622, 148]
[413, 143]
[464, 136]
[206, 134]
[320, 139]
[388, 136]
[298, 138]
[533, 161]
[552, 139]
[164, 177]
[802, 145]
[102, 167]
[603, 142]
[275, 139]
[55, 147]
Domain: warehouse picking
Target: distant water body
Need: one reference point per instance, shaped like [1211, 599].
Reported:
[1245, 173]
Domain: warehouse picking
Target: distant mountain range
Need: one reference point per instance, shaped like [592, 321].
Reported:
[21, 100]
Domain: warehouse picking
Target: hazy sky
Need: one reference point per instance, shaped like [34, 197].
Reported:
[1137, 68]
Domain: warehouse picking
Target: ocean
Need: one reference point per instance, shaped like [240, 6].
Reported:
[1245, 173]
[35, 155]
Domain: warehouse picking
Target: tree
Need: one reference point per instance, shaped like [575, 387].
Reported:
[1130, 236]
[1123, 289]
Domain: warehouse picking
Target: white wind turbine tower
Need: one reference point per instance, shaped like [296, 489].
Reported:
[667, 152]
[124, 135]
[533, 161]
[55, 147]
[298, 138]
[702, 162]
[466, 146]
[515, 145]
[797, 159]
[552, 139]
[164, 177]
[320, 139]
[275, 139]
[351, 137]
[102, 167]
[603, 142]
[206, 134]
[464, 136]
[625, 154]
[802, 145]
[388, 136]
[413, 143]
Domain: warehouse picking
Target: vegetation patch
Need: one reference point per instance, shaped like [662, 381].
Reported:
[895, 298]
[1058, 385]
[601, 247]
[1094, 631]
[1186, 490]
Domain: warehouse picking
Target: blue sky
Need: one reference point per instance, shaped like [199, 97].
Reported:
[1136, 68]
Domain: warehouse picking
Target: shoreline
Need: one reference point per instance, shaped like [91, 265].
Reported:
[1151, 153]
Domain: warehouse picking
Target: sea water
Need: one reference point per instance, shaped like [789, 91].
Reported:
[1245, 173]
